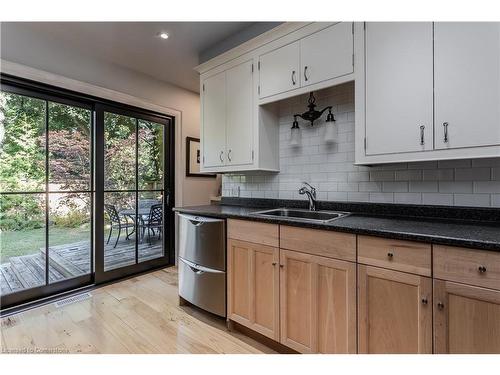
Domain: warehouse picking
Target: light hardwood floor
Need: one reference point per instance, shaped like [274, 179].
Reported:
[138, 315]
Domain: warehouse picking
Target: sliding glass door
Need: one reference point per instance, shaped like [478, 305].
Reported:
[134, 170]
[46, 194]
[86, 191]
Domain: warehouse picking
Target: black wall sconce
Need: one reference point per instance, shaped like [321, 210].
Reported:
[312, 115]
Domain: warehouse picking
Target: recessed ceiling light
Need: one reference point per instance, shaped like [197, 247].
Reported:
[163, 35]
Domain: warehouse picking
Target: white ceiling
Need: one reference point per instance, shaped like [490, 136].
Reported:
[135, 45]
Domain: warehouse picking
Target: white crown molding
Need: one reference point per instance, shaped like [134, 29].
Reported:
[252, 44]
[37, 75]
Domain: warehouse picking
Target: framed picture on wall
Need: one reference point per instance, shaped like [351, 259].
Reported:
[193, 159]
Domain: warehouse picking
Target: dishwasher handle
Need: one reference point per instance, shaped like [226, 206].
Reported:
[199, 220]
[197, 269]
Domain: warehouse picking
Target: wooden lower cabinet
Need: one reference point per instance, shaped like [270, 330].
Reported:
[307, 301]
[394, 312]
[466, 319]
[317, 303]
[253, 286]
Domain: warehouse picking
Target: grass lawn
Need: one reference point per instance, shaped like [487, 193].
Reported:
[24, 242]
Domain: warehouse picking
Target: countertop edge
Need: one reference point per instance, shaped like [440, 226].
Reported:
[433, 239]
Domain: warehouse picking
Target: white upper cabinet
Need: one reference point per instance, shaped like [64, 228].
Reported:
[432, 87]
[318, 57]
[467, 84]
[327, 54]
[241, 90]
[214, 120]
[279, 70]
[240, 109]
[398, 85]
[228, 112]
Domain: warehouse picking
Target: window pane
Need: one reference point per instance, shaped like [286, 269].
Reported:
[119, 158]
[151, 225]
[22, 241]
[22, 143]
[150, 155]
[119, 230]
[69, 235]
[69, 148]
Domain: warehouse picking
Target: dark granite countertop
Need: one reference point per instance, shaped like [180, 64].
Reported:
[478, 235]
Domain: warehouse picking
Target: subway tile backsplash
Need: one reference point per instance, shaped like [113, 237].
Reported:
[330, 167]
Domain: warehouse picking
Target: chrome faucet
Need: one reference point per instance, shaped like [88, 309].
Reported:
[311, 194]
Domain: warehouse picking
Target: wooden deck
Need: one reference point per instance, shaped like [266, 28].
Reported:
[67, 261]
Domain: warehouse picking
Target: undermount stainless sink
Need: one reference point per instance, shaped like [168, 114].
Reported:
[300, 214]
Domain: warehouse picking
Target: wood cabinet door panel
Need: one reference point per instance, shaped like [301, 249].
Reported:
[253, 286]
[266, 284]
[466, 319]
[392, 316]
[336, 306]
[317, 303]
[297, 308]
[239, 268]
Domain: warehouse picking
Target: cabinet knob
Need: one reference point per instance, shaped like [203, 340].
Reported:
[390, 255]
[481, 269]
[293, 77]
[440, 305]
[424, 301]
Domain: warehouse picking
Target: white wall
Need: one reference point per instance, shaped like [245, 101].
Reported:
[330, 168]
[20, 46]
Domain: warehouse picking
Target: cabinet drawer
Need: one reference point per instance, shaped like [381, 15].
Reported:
[319, 242]
[474, 267]
[252, 231]
[406, 256]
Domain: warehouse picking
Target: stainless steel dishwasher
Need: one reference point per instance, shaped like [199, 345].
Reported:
[202, 262]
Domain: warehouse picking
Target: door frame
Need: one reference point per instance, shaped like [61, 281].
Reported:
[31, 90]
[168, 242]
[35, 85]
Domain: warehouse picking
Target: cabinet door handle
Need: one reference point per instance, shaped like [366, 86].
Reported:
[274, 263]
[305, 73]
[440, 305]
[229, 155]
[282, 266]
[220, 156]
[422, 135]
[390, 255]
[293, 77]
[481, 269]
[445, 128]
[424, 301]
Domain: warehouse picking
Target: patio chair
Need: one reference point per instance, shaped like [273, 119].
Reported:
[117, 222]
[153, 221]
